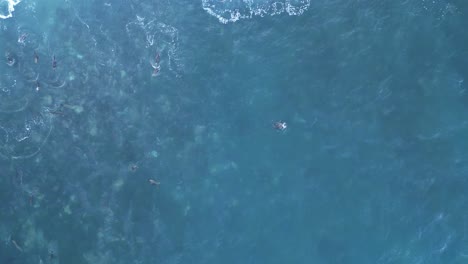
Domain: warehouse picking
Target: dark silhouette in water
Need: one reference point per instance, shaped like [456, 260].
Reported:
[38, 85]
[36, 57]
[10, 59]
[157, 59]
[52, 255]
[54, 63]
[156, 66]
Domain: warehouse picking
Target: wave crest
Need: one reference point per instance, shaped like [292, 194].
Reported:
[232, 10]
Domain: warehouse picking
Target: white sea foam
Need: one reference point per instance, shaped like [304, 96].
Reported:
[232, 10]
[7, 7]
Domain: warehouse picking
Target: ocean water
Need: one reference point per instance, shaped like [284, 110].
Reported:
[99, 97]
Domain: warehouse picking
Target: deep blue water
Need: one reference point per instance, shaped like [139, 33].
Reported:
[98, 97]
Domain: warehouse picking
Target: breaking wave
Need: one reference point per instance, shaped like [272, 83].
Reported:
[7, 7]
[232, 10]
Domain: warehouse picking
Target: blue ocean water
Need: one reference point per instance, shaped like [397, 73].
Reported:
[99, 97]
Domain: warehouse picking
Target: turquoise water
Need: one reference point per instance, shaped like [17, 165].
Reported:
[371, 169]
